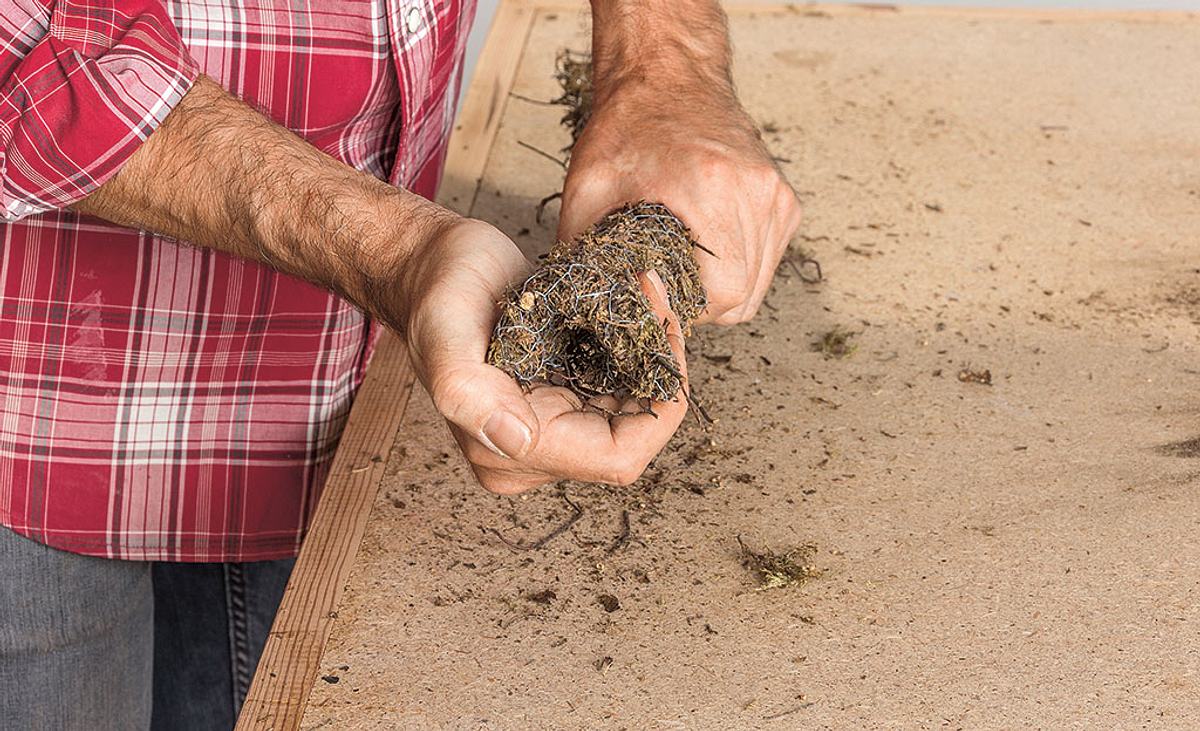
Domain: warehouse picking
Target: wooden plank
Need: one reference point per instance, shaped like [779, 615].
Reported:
[293, 651]
[484, 104]
[982, 13]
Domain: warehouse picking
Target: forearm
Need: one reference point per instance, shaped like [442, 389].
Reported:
[672, 44]
[219, 174]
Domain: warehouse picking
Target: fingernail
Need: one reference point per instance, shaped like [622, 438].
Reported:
[506, 435]
[656, 282]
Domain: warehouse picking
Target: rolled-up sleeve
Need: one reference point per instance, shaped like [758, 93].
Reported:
[82, 84]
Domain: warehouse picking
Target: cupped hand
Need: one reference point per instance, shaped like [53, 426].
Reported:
[517, 439]
[699, 154]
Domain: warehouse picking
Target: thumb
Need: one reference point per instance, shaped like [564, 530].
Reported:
[487, 404]
[656, 292]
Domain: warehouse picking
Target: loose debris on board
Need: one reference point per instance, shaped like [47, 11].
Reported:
[804, 264]
[792, 567]
[982, 376]
[576, 514]
[573, 69]
[836, 343]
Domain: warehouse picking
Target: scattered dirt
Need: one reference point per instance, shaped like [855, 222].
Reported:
[545, 596]
[609, 602]
[1188, 449]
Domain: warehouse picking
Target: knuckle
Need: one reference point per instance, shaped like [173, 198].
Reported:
[768, 175]
[790, 206]
[733, 317]
[500, 483]
[596, 179]
[723, 307]
[713, 167]
[449, 392]
[627, 474]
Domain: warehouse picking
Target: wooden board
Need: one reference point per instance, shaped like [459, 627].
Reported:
[290, 660]
[1010, 191]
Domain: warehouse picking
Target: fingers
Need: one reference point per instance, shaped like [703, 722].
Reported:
[508, 479]
[737, 287]
[656, 292]
[783, 226]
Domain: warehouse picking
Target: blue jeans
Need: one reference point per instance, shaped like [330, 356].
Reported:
[93, 644]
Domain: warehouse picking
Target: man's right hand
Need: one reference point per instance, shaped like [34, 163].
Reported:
[515, 439]
[218, 174]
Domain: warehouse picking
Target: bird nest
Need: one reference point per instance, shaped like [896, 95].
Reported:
[581, 321]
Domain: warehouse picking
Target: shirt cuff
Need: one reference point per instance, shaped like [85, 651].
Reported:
[84, 83]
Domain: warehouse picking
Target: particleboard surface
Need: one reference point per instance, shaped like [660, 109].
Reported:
[1016, 192]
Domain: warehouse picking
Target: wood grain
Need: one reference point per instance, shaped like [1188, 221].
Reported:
[288, 667]
[484, 105]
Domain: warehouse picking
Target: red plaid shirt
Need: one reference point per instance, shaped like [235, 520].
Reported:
[161, 401]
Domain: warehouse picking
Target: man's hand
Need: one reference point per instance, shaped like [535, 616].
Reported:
[516, 439]
[220, 175]
[666, 126]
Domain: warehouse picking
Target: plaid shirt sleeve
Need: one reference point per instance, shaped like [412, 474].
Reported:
[82, 84]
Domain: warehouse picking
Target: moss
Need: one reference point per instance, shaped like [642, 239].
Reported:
[836, 343]
[792, 567]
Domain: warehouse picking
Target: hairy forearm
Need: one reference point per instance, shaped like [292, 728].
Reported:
[671, 44]
[219, 174]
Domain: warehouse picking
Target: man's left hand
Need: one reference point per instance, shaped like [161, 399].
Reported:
[694, 149]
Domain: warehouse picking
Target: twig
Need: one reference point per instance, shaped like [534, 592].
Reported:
[541, 206]
[563, 528]
[561, 163]
[531, 100]
[622, 539]
[788, 712]
[702, 415]
[800, 270]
